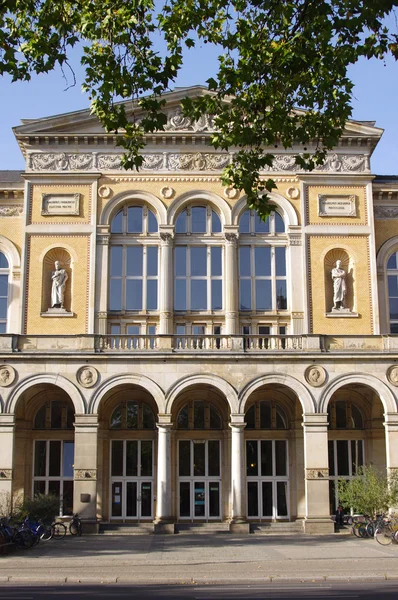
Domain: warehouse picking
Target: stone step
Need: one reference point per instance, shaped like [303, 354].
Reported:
[278, 528]
[201, 528]
[125, 528]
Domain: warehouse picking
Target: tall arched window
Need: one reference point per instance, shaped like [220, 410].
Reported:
[262, 263]
[4, 273]
[134, 261]
[198, 261]
[392, 277]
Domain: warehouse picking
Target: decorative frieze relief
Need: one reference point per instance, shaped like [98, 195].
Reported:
[316, 473]
[11, 211]
[176, 121]
[5, 474]
[386, 212]
[173, 161]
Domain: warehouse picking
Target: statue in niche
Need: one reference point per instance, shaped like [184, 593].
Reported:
[59, 278]
[339, 286]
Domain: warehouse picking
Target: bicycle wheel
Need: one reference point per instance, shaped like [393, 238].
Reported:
[75, 527]
[362, 529]
[384, 535]
[59, 530]
[47, 533]
[355, 529]
[370, 530]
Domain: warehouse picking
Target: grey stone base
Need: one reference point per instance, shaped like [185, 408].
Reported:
[164, 528]
[90, 527]
[318, 526]
[239, 528]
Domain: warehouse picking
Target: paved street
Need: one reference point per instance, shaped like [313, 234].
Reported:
[201, 559]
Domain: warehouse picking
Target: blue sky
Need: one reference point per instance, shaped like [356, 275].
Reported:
[375, 99]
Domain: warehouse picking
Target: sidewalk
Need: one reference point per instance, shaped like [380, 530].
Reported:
[201, 559]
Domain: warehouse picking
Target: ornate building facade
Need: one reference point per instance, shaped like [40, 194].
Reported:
[167, 357]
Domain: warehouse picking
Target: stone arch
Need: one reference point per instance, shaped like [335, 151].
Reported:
[305, 398]
[384, 252]
[382, 390]
[210, 198]
[53, 379]
[119, 200]
[131, 379]
[202, 379]
[10, 252]
[288, 212]
[381, 263]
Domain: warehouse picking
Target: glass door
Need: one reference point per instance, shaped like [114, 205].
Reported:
[132, 479]
[267, 479]
[199, 470]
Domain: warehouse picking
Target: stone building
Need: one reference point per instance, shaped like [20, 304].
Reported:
[167, 357]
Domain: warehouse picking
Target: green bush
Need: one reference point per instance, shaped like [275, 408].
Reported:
[370, 492]
[41, 507]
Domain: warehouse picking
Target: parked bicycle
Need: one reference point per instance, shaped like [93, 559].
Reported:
[387, 532]
[75, 526]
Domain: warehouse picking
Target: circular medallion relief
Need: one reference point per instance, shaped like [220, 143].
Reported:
[293, 193]
[104, 191]
[167, 192]
[392, 375]
[87, 376]
[315, 375]
[7, 375]
[231, 192]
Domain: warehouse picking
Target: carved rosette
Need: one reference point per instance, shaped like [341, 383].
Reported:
[7, 375]
[5, 474]
[293, 193]
[315, 375]
[87, 377]
[316, 474]
[392, 375]
[85, 474]
[231, 193]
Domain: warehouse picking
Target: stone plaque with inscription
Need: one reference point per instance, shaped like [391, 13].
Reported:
[60, 204]
[337, 206]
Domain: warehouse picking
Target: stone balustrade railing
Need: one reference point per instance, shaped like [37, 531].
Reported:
[254, 344]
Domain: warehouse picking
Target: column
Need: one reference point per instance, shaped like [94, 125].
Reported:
[231, 301]
[85, 469]
[391, 429]
[238, 480]
[316, 463]
[7, 436]
[102, 279]
[166, 280]
[163, 520]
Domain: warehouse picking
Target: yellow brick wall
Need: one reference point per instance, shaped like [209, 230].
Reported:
[313, 192]
[11, 228]
[357, 248]
[384, 230]
[36, 203]
[78, 286]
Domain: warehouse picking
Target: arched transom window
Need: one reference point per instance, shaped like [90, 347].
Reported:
[262, 263]
[132, 415]
[392, 277]
[4, 273]
[265, 414]
[344, 414]
[199, 415]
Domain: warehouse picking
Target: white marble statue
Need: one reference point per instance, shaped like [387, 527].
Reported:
[339, 286]
[59, 278]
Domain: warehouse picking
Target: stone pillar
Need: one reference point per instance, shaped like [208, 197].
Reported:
[391, 429]
[163, 520]
[166, 281]
[316, 463]
[85, 469]
[7, 437]
[102, 279]
[231, 301]
[238, 479]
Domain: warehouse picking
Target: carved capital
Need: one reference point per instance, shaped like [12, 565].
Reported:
[103, 239]
[85, 474]
[231, 238]
[167, 238]
[316, 473]
[5, 474]
[295, 239]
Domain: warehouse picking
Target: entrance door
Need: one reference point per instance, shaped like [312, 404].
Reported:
[267, 479]
[132, 479]
[199, 470]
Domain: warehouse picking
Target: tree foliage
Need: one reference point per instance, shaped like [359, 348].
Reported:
[281, 77]
[370, 493]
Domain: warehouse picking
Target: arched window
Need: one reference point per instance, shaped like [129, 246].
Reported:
[4, 273]
[265, 414]
[392, 278]
[199, 415]
[198, 261]
[344, 414]
[134, 261]
[262, 263]
[56, 414]
[132, 415]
